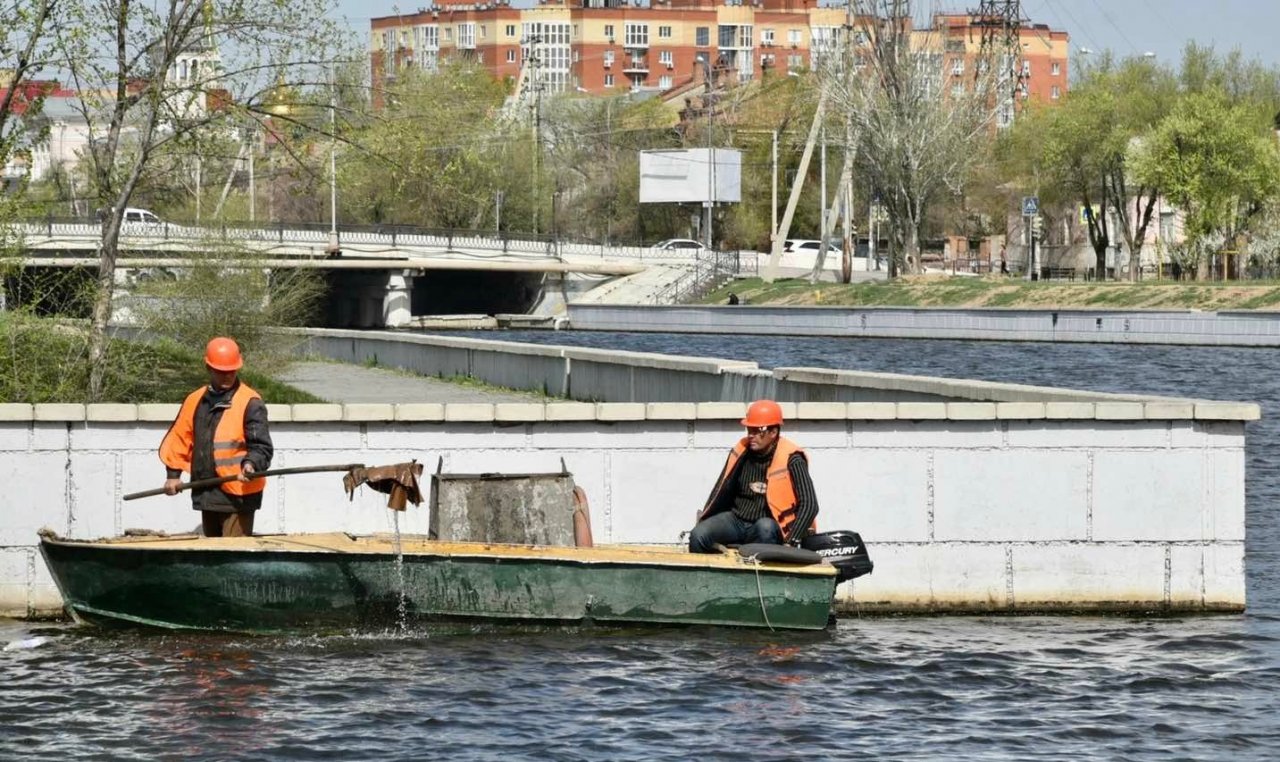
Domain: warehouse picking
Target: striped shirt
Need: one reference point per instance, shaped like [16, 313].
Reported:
[750, 505]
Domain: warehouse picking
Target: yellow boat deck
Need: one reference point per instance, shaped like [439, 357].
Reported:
[419, 545]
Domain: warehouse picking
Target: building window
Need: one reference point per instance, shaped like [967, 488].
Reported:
[608, 80]
[637, 35]
[1026, 68]
[667, 58]
[795, 61]
[702, 36]
[1055, 69]
[664, 82]
[1055, 93]
[608, 59]
[484, 31]
[608, 31]
[793, 37]
[430, 37]
[511, 30]
[957, 67]
[467, 35]
[664, 31]
[448, 34]
[511, 56]
[766, 36]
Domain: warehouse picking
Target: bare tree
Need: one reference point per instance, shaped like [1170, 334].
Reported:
[917, 135]
[24, 42]
[159, 78]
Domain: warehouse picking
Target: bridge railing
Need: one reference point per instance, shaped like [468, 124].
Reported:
[390, 236]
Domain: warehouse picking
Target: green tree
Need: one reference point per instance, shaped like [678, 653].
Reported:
[1078, 152]
[1214, 163]
[435, 154]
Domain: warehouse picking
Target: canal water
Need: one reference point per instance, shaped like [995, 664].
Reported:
[995, 687]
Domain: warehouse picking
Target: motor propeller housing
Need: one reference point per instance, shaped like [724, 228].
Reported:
[844, 550]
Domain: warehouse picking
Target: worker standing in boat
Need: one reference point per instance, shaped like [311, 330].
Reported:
[764, 494]
[221, 431]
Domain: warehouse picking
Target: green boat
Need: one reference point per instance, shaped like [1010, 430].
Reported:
[337, 581]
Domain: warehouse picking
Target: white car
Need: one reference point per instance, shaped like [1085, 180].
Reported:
[146, 223]
[679, 244]
[809, 246]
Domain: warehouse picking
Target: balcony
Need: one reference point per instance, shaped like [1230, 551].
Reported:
[636, 66]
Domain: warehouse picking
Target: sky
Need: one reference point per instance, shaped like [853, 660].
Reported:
[1126, 27]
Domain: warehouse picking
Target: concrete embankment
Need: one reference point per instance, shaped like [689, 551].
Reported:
[1242, 328]
[972, 496]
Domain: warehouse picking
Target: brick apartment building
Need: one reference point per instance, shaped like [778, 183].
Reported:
[614, 46]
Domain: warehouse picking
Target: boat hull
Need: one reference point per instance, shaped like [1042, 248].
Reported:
[335, 582]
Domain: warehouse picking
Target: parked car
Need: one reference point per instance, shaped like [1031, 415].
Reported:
[145, 222]
[809, 246]
[678, 244]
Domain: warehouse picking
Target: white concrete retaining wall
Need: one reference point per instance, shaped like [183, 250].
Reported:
[1098, 326]
[1028, 505]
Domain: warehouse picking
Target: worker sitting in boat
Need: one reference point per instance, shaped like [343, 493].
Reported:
[221, 431]
[764, 494]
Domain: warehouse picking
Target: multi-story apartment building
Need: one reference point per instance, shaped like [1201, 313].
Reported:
[609, 46]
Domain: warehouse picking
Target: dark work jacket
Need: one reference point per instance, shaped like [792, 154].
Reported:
[257, 439]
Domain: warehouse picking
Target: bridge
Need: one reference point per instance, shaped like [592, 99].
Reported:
[385, 276]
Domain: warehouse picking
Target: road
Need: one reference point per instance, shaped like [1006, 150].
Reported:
[344, 383]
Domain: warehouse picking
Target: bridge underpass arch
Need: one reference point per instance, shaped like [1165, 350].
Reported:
[378, 298]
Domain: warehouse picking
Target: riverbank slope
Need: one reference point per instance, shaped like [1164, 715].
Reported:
[997, 291]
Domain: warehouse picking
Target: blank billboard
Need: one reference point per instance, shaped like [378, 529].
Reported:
[689, 176]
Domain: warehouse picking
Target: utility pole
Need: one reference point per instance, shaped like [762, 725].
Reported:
[535, 73]
[1001, 25]
[771, 272]
[821, 255]
[333, 163]
[871, 230]
[773, 221]
[711, 161]
[253, 196]
[608, 133]
[199, 182]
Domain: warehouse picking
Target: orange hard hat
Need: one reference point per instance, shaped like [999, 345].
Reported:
[222, 354]
[763, 413]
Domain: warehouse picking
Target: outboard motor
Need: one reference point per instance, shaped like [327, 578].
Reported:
[845, 550]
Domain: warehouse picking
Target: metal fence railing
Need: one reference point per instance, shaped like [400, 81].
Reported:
[710, 269]
[390, 236]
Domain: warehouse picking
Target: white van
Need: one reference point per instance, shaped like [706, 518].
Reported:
[145, 222]
[141, 216]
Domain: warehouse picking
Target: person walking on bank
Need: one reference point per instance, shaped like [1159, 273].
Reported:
[221, 430]
[764, 494]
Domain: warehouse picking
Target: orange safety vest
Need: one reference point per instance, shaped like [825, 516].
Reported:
[229, 448]
[779, 491]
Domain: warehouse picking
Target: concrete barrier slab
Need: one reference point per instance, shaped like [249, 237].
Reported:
[989, 499]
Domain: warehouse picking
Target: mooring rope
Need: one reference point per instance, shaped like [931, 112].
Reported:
[755, 562]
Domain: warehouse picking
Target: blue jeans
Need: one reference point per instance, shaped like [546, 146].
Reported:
[727, 529]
